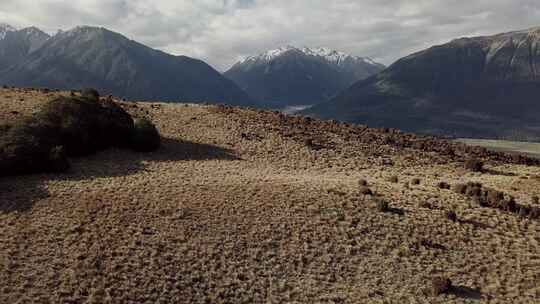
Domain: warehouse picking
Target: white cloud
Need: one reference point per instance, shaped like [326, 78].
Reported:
[222, 31]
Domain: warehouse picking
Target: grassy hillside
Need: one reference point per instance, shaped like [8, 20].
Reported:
[247, 206]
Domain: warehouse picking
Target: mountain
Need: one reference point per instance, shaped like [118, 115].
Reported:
[471, 87]
[96, 57]
[299, 76]
[15, 44]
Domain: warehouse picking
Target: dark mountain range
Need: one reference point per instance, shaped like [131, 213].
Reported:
[16, 45]
[471, 87]
[113, 64]
[292, 76]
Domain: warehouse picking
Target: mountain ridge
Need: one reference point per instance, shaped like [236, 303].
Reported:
[290, 76]
[88, 56]
[482, 86]
[17, 44]
[326, 53]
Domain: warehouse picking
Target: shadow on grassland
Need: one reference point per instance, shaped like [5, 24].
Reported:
[19, 193]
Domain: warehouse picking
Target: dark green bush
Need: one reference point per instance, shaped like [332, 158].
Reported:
[70, 126]
[85, 125]
[145, 137]
[58, 160]
[4, 128]
[90, 93]
[30, 147]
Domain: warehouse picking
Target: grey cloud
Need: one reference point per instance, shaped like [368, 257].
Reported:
[222, 31]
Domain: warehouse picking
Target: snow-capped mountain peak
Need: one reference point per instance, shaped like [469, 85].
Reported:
[298, 76]
[331, 56]
[270, 54]
[33, 31]
[4, 29]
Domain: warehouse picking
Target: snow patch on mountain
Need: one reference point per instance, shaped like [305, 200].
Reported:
[4, 29]
[332, 56]
[33, 32]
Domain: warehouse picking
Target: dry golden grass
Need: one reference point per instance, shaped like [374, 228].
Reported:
[237, 208]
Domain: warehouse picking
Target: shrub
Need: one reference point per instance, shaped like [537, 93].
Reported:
[4, 128]
[393, 179]
[473, 190]
[443, 185]
[509, 205]
[440, 285]
[363, 182]
[90, 93]
[460, 188]
[535, 200]
[365, 191]
[415, 181]
[534, 213]
[145, 136]
[30, 147]
[426, 205]
[383, 205]
[58, 159]
[524, 211]
[85, 125]
[474, 165]
[494, 196]
[480, 201]
[451, 215]
[70, 126]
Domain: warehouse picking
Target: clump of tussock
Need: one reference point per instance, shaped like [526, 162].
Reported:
[363, 183]
[459, 188]
[440, 285]
[426, 205]
[415, 181]
[382, 205]
[365, 190]
[491, 198]
[393, 179]
[474, 165]
[535, 200]
[451, 215]
[443, 185]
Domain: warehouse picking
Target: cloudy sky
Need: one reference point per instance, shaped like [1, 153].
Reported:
[223, 31]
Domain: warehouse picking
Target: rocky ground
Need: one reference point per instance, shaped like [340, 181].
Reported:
[241, 206]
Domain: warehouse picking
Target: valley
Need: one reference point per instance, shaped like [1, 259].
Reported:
[527, 148]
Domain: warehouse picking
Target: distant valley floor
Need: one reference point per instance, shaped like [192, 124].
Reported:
[528, 148]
